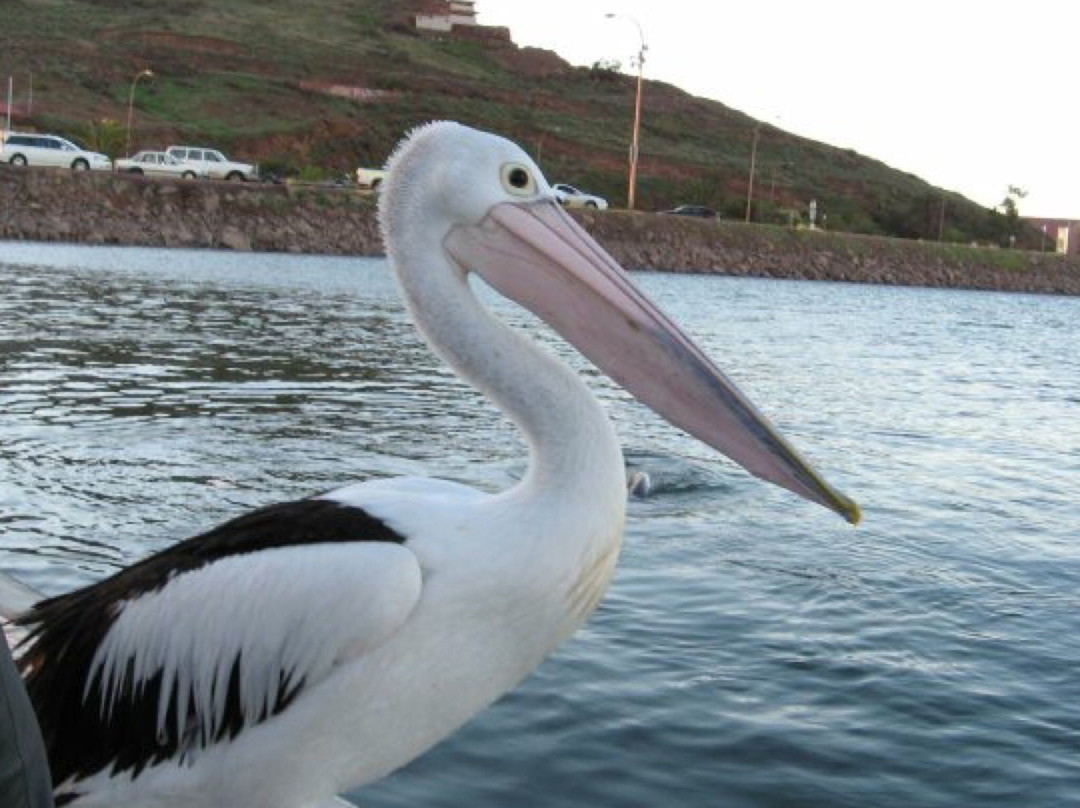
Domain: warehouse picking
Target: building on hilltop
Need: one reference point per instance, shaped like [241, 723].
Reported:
[455, 18]
[441, 17]
[1063, 233]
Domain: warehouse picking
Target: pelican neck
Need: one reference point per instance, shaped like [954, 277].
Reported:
[572, 443]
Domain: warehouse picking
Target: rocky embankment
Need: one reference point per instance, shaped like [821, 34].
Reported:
[93, 208]
[676, 244]
[38, 205]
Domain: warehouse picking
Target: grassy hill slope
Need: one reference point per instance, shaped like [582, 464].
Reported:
[254, 76]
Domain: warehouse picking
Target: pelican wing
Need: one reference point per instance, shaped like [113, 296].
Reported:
[162, 664]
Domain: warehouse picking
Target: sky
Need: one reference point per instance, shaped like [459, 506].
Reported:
[970, 96]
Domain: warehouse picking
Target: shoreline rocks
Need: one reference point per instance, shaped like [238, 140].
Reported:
[91, 208]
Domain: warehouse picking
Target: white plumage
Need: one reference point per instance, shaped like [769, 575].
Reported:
[311, 595]
[276, 672]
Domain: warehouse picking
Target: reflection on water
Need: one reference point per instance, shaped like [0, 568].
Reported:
[754, 650]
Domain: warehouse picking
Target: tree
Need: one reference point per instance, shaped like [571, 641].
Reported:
[105, 136]
[605, 70]
[1010, 206]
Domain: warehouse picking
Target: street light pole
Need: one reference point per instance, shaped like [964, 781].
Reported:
[131, 104]
[10, 90]
[635, 138]
[753, 163]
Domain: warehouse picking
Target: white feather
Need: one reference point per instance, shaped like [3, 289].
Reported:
[295, 611]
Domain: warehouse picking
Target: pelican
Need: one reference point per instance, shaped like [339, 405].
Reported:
[310, 647]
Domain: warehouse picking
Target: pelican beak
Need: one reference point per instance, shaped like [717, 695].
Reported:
[538, 256]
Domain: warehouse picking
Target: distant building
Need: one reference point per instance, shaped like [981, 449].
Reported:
[457, 19]
[1063, 234]
[442, 17]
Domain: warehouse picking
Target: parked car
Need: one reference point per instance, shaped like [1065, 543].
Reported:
[213, 164]
[571, 197]
[156, 164]
[370, 178]
[50, 150]
[700, 211]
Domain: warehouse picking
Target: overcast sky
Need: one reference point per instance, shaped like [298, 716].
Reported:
[971, 96]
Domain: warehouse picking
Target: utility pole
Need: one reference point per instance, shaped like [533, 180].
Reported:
[10, 90]
[753, 163]
[131, 104]
[635, 139]
[634, 148]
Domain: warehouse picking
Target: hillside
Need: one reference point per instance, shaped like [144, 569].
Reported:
[320, 87]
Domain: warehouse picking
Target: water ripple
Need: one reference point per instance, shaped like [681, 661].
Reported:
[753, 651]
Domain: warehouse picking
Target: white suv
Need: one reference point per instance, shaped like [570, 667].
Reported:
[50, 150]
[213, 164]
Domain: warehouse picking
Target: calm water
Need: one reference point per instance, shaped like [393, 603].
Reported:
[754, 650]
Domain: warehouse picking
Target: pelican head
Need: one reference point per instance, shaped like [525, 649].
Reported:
[487, 207]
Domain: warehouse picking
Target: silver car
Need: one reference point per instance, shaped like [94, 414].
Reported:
[50, 150]
[156, 164]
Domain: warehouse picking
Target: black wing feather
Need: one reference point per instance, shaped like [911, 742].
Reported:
[65, 631]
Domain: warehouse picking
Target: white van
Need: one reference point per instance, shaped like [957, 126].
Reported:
[50, 150]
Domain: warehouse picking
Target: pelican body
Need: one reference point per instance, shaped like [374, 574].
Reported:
[310, 647]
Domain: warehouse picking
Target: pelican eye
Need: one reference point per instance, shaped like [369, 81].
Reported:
[518, 180]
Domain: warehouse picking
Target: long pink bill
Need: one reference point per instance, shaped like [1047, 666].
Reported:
[538, 256]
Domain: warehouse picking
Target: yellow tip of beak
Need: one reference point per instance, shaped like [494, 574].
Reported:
[850, 511]
[836, 501]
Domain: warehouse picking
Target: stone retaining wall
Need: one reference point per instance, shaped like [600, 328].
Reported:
[93, 208]
[98, 208]
[677, 244]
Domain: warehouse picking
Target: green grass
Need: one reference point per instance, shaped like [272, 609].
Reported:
[218, 104]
